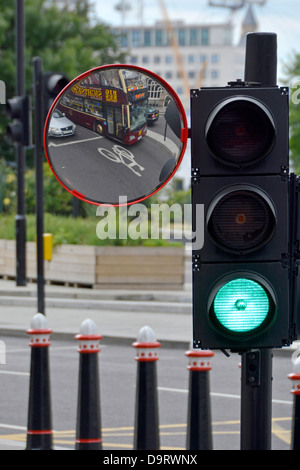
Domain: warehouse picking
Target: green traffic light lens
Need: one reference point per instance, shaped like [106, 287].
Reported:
[242, 306]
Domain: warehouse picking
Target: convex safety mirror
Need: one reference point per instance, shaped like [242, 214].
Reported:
[115, 133]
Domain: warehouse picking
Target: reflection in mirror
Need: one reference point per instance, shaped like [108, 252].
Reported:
[115, 132]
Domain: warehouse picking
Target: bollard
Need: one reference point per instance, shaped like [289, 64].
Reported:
[39, 427]
[295, 377]
[88, 429]
[146, 429]
[199, 433]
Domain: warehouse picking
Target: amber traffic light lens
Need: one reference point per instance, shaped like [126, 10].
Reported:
[241, 221]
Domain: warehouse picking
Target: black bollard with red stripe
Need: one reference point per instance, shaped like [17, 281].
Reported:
[39, 426]
[88, 430]
[295, 377]
[146, 430]
[199, 432]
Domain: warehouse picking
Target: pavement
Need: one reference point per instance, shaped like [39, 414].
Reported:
[118, 314]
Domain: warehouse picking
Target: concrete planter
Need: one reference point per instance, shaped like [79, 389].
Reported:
[102, 267]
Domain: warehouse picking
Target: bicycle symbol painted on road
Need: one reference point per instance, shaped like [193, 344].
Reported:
[121, 155]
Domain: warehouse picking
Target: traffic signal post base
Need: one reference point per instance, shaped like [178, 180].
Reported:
[256, 400]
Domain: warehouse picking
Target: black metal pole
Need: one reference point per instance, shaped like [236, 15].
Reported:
[256, 379]
[20, 153]
[256, 400]
[38, 120]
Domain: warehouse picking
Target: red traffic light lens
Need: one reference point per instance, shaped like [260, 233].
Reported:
[240, 132]
[241, 220]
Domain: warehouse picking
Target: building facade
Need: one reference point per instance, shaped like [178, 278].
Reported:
[200, 55]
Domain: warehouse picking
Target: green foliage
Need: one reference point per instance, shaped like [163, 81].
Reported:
[69, 39]
[57, 200]
[8, 188]
[69, 230]
[292, 72]
[58, 218]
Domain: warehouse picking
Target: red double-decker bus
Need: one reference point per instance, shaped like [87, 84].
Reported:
[112, 103]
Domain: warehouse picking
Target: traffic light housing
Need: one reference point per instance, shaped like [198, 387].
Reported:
[240, 173]
[19, 130]
[53, 84]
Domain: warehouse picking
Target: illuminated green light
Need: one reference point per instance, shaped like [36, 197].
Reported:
[241, 305]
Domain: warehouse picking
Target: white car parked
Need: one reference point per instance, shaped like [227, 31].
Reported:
[60, 125]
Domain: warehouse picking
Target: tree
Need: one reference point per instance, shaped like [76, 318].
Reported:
[292, 72]
[69, 39]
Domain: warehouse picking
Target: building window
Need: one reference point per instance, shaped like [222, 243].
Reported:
[168, 38]
[145, 59]
[227, 37]
[158, 37]
[214, 74]
[193, 37]
[147, 38]
[157, 59]
[191, 74]
[204, 36]
[169, 59]
[215, 58]
[136, 36]
[134, 59]
[124, 39]
[202, 58]
[191, 59]
[181, 37]
[168, 75]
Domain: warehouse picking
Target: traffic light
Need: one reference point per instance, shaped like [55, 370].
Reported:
[19, 130]
[53, 84]
[240, 173]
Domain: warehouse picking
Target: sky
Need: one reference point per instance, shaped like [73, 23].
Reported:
[279, 16]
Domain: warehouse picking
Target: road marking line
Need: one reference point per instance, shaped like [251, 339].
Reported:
[282, 434]
[221, 395]
[11, 372]
[52, 144]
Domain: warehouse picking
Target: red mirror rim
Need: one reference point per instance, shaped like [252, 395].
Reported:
[184, 130]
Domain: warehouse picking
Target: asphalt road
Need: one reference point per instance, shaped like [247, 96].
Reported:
[117, 396]
[102, 169]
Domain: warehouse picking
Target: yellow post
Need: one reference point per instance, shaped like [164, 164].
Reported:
[48, 243]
